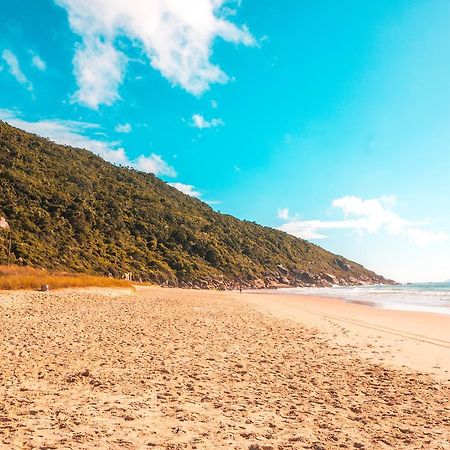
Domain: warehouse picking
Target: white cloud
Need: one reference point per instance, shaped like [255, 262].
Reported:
[198, 121]
[14, 69]
[372, 215]
[73, 133]
[283, 213]
[192, 191]
[123, 128]
[99, 69]
[154, 164]
[309, 229]
[39, 63]
[176, 35]
[187, 189]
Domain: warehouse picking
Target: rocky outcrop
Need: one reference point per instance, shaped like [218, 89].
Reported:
[342, 265]
[285, 278]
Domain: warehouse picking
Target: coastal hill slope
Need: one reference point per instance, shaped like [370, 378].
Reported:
[68, 209]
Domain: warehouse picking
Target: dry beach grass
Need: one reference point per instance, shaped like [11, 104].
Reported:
[174, 369]
[25, 277]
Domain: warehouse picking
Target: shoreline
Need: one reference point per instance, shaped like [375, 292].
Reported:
[379, 300]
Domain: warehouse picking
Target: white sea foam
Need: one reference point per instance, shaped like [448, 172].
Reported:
[425, 297]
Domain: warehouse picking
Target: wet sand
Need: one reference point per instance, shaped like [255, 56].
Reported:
[169, 368]
[402, 339]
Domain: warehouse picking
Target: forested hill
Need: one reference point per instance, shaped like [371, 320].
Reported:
[70, 210]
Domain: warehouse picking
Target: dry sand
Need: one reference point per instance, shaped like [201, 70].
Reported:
[169, 368]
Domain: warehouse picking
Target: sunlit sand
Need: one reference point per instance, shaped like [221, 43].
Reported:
[171, 368]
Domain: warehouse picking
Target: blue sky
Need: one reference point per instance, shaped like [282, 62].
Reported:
[329, 120]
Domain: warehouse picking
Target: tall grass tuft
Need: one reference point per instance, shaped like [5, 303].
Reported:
[22, 277]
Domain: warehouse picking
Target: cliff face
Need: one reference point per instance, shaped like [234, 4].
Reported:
[70, 210]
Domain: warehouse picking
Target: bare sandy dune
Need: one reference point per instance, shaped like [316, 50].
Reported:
[177, 369]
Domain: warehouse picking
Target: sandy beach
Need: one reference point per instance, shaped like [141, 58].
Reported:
[173, 369]
[401, 339]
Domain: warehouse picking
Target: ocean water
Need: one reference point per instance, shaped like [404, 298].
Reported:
[424, 297]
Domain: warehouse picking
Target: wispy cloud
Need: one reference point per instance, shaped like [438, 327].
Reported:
[198, 121]
[14, 69]
[283, 213]
[176, 36]
[123, 128]
[371, 216]
[74, 133]
[39, 63]
[187, 189]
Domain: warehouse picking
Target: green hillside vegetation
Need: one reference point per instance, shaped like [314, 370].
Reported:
[70, 210]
